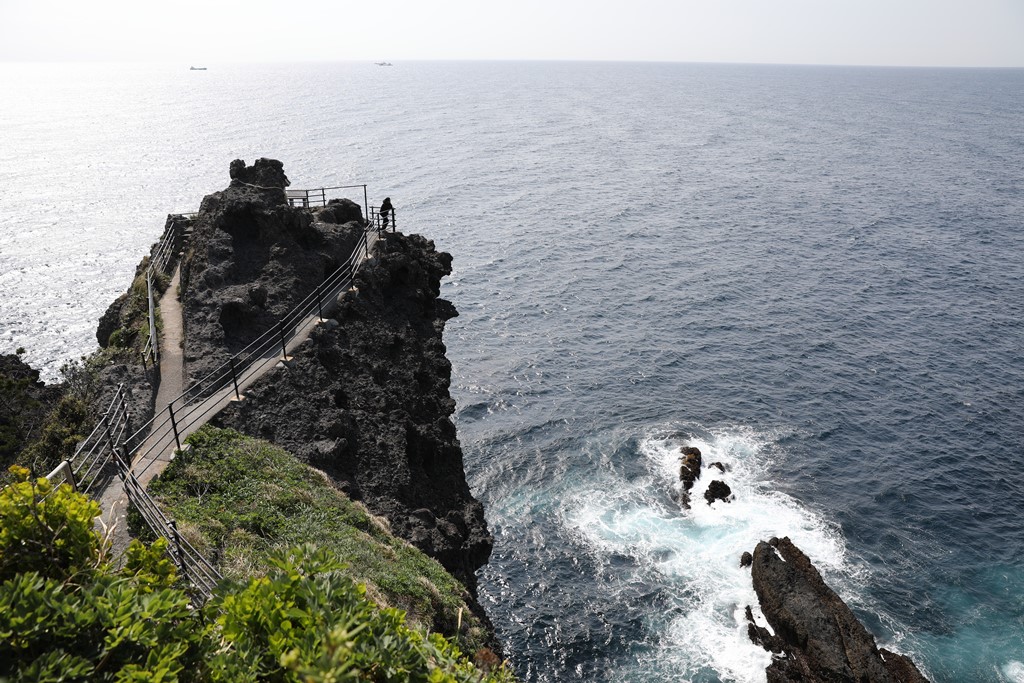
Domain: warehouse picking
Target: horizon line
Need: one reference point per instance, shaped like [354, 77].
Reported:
[369, 60]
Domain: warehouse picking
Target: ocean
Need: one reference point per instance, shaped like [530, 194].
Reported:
[814, 274]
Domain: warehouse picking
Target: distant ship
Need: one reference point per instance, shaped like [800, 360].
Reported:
[203, 68]
[383, 63]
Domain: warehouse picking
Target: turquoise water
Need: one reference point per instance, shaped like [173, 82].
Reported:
[813, 274]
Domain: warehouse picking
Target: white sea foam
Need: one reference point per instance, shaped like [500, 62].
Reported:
[1014, 672]
[695, 553]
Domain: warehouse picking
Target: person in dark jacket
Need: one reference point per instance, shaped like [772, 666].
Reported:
[386, 211]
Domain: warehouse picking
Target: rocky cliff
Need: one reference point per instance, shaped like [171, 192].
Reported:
[252, 258]
[366, 398]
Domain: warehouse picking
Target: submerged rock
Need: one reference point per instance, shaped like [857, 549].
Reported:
[819, 636]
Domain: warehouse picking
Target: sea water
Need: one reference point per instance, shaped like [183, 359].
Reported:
[812, 274]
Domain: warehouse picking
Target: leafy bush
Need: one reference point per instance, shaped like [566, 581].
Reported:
[305, 621]
[45, 529]
[66, 614]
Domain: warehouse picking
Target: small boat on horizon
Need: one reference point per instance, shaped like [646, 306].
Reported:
[197, 68]
[383, 63]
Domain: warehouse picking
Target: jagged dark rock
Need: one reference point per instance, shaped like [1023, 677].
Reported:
[339, 211]
[689, 471]
[252, 258]
[818, 634]
[719, 466]
[717, 490]
[264, 173]
[111, 320]
[759, 635]
[367, 401]
[746, 559]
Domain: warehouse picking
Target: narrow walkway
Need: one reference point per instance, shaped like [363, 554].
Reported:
[114, 500]
[172, 367]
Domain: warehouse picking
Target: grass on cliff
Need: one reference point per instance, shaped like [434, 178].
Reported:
[240, 499]
[71, 613]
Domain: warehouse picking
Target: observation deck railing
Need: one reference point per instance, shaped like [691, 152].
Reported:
[320, 196]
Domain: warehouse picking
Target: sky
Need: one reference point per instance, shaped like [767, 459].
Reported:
[868, 32]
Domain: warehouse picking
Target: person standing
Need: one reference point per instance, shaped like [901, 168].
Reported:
[386, 213]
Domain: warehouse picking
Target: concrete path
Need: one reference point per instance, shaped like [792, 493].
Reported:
[114, 500]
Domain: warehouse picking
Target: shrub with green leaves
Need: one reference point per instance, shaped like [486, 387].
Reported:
[305, 621]
[45, 529]
[66, 614]
[75, 617]
[68, 423]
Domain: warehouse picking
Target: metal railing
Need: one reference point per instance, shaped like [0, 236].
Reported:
[160, 262]
[201, 400]
[318, 196]
[85, 468]
[381, 222]
[199, 572]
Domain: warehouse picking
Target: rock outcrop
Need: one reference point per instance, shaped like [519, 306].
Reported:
[689, 472]
[251, 259]
[365, 398]
[717, 490]
[111, 320]
[816, 635]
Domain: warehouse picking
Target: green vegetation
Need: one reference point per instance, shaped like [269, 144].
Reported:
[40, 426]
[240, 500]
[127, 341]
[63, 429]
[67, 615]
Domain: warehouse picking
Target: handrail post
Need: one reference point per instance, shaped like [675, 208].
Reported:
[152, 318]
[284, 348]
[122, 461]
[234, 378]
[177, 543]
[106, 427]
[366, 202]
[319, 301]
[174, 425]
[70, 474]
